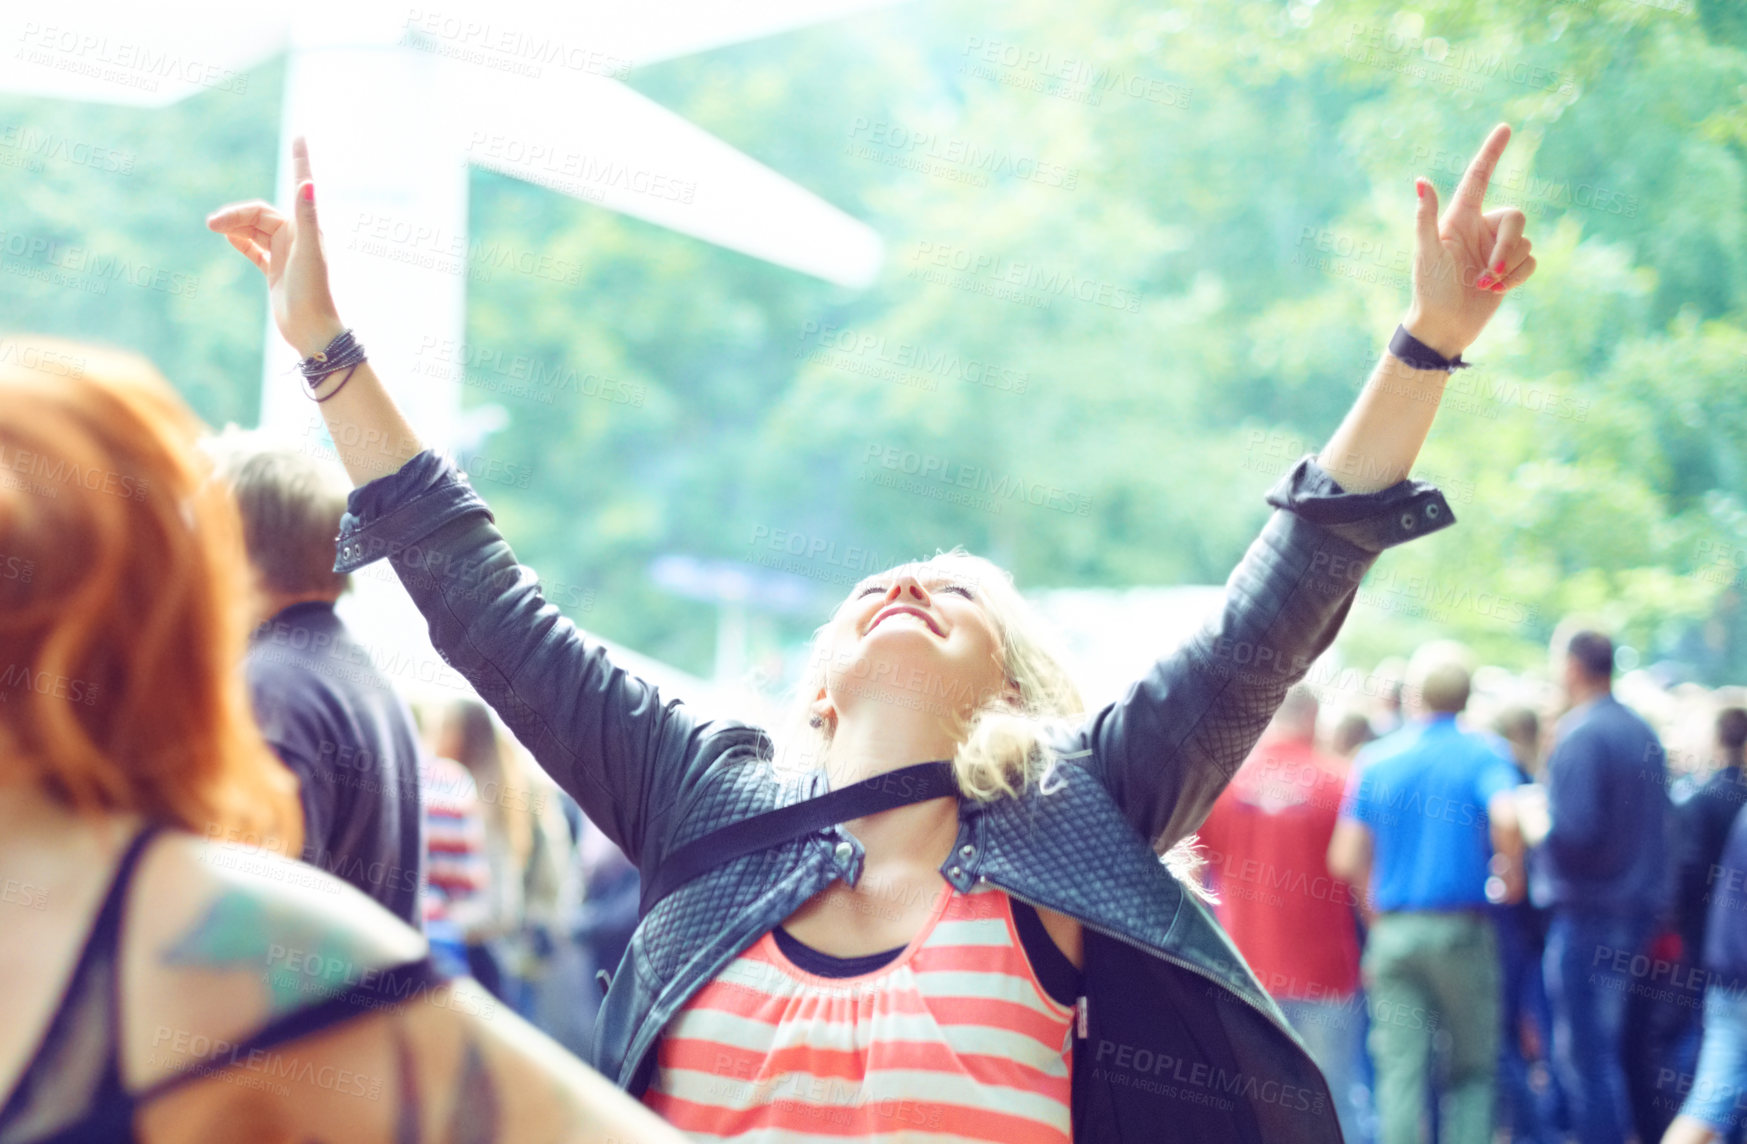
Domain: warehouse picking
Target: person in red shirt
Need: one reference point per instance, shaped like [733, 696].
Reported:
[1267, 843]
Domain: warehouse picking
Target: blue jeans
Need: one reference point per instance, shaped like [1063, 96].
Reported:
[1589, 973]
[1529, 1116]
[1334, 1032]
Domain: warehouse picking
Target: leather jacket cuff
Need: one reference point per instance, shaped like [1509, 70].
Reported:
[391, 513]
[1370, 521]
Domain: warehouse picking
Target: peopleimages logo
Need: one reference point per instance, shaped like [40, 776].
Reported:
[519, 374]
[929, 472]
[1026, 283]
[120, 61]
[1072, 77]
[36, 357]
[906, 360]
[961, 159]
[95, 271]
[18, 676]
[36, 144]
[1195, 1081]
[58, 471]
[506, 47]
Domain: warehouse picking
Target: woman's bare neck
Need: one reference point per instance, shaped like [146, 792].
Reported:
[875, 744]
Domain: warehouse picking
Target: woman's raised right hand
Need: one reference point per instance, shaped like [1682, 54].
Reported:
[289, 253]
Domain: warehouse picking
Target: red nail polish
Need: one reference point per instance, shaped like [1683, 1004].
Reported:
[309, 192]
[1500, 266]
[1484, 282]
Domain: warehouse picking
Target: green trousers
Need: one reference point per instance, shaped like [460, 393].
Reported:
[1432, 982]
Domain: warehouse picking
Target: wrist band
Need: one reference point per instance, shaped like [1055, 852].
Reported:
[1417, 355]
[343, 352]
[336, 389]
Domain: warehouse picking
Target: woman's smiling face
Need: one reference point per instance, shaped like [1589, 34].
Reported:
[917, 632]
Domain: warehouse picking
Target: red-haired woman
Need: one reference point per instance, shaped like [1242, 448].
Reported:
[165, 975]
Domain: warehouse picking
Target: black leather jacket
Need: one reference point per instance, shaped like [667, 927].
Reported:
[1177, 1038]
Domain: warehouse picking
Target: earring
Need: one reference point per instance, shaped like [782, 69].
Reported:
[816, 721]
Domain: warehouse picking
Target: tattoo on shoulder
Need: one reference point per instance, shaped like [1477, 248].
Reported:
[299, 960]
[473, 1112]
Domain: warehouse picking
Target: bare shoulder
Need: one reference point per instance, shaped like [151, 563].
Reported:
[223, 939]
[253, 937]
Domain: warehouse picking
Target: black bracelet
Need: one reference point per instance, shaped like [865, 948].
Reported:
[1417, 355]
[343, 352]
[336, 389]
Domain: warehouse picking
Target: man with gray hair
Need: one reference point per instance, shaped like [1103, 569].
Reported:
[1426, 810]
[321, 703]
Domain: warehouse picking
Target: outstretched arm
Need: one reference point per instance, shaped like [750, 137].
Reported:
[604, 735]
[1168, 748]
[372, 437]
[1463, 264]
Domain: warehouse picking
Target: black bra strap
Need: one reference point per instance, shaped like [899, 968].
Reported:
[917, 783]
[107, 934]
[393, 985]
[108, 923]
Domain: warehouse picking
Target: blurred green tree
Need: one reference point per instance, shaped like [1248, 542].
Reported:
[1140, 259]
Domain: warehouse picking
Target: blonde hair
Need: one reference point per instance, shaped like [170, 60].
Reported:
[1440, 677]
[1004, 746]
[123, 604]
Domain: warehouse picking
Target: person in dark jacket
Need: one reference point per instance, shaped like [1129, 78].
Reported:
[1603, 873]
[1704, 821]
[322, 705]
[1716, 1092]
[1665, 1027]
[1028, 913]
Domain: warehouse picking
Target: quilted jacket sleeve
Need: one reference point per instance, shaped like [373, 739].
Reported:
[604, 735]
[1169, 746]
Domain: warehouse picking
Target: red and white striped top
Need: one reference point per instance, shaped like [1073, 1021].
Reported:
[955, 1040]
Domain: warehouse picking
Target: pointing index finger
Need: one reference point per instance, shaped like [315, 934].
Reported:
[1472, 190]
[300, 161]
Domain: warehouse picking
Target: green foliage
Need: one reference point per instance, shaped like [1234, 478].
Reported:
[115, 200]
[1186, 232]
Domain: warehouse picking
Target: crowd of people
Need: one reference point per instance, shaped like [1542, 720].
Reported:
[1488, 903]
[1498, 904]
[250, 892]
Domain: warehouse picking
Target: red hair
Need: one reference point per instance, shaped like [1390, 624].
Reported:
[123, 603]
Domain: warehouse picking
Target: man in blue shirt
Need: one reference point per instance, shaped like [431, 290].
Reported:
[1425, 809]
[1604, 874]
